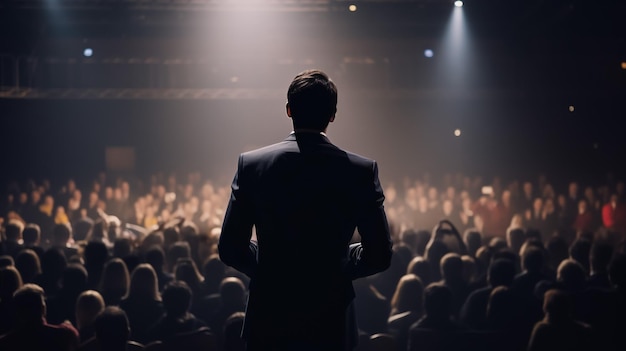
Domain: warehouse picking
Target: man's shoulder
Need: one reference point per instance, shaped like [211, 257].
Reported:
[65, 330]
[267, 150]
[291, 146]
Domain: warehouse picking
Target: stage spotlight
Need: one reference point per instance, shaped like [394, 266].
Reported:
[352, 8]
[624, 65]
[457, 132]
[88, 52]
[571, 108]
[429, 53]
[458, 3]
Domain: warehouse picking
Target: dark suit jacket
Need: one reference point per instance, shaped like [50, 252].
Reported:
[305, 197]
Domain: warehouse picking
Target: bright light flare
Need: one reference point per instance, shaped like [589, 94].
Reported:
[429, 53]
[571, 108]
[88, 52]
[457, 132]
[458, 3]
[352, 8]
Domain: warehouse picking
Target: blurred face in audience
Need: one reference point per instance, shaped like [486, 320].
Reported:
[390, 194]
[48, 201]
[447, 207]
[108, 193]
[549, 206]
[432, 194]
[450, 193]
[160, 191]
[35, 196]
[548, 191]
[117, 194]
[589, 194]
[528, 188]
[537, 204]
[423, 203]
[573, 190]
[562, 201]
[506, 198]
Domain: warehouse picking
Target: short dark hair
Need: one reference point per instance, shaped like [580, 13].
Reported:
[13, 230]
[501, 272]
[112, 327]
[61, 233]
[437, 300]
[533, 259]
[30, 303]
[312, 99]
[31, 234]
[176, 298]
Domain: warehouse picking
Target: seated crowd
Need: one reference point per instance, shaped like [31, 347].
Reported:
[515, 267]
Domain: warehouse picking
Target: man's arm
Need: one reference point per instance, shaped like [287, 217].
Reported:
[373, 253]
[235, 248]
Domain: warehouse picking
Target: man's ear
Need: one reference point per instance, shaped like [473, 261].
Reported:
[288, 110]
[332, 118]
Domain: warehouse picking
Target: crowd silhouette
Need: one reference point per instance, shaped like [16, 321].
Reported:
[133, 265]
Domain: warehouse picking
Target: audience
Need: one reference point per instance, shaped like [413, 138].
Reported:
[534, 263]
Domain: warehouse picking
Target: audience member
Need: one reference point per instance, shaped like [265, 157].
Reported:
[10, 281]
[452, 277]
[32, 331]
[32, 239]
[177, 318]
[112, 329]
[142, 305]
[473, 312]
[114, 282]
[27, 262]
[88, 305]
[13, 235]
[61, 307]
[559, 330]
[437, 309]
[406, 308]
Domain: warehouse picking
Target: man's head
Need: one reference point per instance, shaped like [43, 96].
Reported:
[30, 304]
[31, 234]
[112, 328]
[61, 234]
[437, 301]
[177, 299]
[312, 100]
[452, 268]
[501, 272]
[13, 230]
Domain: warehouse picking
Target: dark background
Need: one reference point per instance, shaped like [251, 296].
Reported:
[161, 81]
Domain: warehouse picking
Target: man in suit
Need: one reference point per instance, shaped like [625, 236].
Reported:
[305, 197]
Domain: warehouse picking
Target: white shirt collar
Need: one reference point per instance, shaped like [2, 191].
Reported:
[307, 131]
